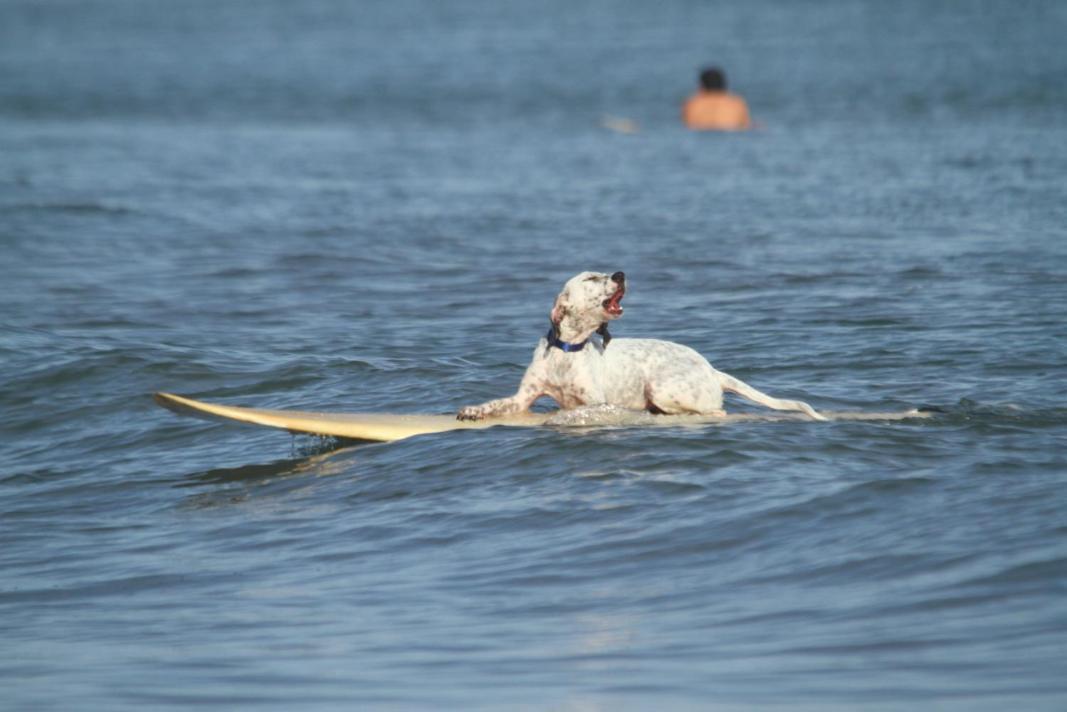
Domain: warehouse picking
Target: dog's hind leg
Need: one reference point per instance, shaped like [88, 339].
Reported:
[736, 385]
[683, 396]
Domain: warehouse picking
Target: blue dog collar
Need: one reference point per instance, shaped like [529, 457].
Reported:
[554, 340]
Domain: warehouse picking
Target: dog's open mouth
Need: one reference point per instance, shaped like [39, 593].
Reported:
[612, 304]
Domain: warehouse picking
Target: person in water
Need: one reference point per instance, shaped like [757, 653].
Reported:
[713, 108]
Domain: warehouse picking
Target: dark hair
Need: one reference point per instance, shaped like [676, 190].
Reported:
[713, 79]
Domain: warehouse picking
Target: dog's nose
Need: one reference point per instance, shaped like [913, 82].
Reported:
[618, 277]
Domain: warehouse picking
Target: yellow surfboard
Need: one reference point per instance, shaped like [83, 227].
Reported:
[386, 427]
[357, 426]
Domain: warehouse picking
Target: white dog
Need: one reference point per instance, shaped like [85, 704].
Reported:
[575, 369]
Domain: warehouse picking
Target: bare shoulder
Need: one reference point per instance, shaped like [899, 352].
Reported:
[716, 111]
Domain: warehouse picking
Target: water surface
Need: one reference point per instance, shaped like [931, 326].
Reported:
[370, 206]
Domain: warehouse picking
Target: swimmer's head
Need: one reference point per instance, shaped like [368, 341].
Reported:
[713, 79]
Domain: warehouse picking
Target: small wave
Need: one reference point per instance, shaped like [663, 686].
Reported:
[1040, 571]
[601, 416]
[72, 208]
[312, 458]
[970, 411]
[920, 272]
[855, 500]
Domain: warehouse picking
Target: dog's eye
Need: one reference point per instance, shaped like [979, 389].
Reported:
[592, 279]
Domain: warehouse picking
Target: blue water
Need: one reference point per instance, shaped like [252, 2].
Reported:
[370, 207]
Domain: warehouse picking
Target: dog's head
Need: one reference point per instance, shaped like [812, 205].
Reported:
[588, 301]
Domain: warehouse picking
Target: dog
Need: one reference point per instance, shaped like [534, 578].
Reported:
[576, 369]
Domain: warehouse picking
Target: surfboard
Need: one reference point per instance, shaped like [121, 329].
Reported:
[387, 427]
[383, 427]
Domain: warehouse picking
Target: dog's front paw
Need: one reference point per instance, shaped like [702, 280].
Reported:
[471, 412]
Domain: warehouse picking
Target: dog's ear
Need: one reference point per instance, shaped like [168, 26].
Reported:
[603, 331]
[559, 310]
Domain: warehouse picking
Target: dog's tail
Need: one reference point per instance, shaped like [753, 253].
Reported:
[736, 385]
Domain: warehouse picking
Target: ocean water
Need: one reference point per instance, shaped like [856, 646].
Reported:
[369, 206]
